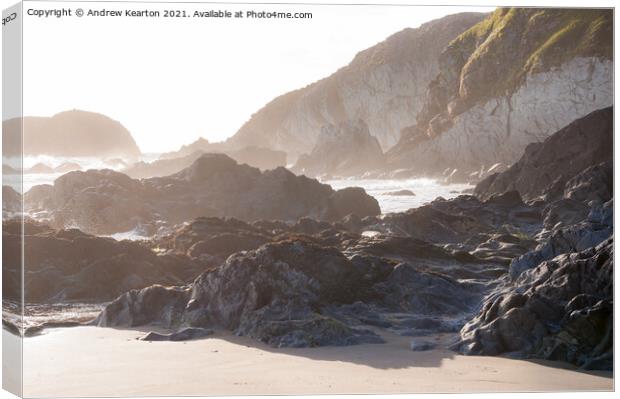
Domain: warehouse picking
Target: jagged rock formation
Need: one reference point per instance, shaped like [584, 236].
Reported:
[556, 301]
[71, 133]
[560, 310]
[199, 146]
[173, 162]
[346, 149]
[582, 144]
[512, 79]
[383, 85]
[295, 292]
[160, 167]
[68, 265]
[107, 202]
[314, 283]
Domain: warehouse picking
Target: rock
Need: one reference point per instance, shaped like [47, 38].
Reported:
[200, 146]
[89, 134]
[11, 202]
[558, 310]
[585, 142]
[464, 218]
[418, 346]
[171, 163]
[259, 157]
[184, 334]
[351, 200]
[498, 90]
[345, 149]
[593, 184]
[273, 294]
[400, 193]
[383, 85]
[66, 167]
[575, 237]
[160, 167]
[214, 237]
[108, 202]
[40, 168]
[68, 265]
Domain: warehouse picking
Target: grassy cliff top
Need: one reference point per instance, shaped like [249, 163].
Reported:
[500, 51]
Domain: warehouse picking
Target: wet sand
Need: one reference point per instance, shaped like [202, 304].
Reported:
[91, 361]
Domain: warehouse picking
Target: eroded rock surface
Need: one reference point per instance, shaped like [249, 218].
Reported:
[561, 310]
[69, 265]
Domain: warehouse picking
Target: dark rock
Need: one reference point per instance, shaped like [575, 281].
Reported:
[559, 310]
[581, 145]
[107, 202]
[274, 294]
[11, 202]
[593, 184]
[68, 265]
[184, 334]
[418, 346]
[401, 193]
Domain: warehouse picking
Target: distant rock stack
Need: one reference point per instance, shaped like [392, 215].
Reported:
[72, 134]
[345, 149]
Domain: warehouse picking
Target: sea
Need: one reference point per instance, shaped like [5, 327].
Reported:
[420, 190]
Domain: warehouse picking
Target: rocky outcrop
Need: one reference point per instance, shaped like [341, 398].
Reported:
[11, 202]
[546, 167]
[160, 167]
[201, 145]
[71, 133]
[383, 85]
[273, 294]
[513, 79]
[44, 168]
[68, 265]
[346, 149]
[107, 202]
[175, 161]
[258, 157]
[466, 220]
[215, 238]
[297, 292]
[560, 310]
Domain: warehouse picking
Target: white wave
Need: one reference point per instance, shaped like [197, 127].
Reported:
[425, 190]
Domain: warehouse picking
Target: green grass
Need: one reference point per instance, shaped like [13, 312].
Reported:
[520, 41]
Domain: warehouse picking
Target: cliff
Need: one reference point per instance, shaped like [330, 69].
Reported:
[514, 78]
[384, 85]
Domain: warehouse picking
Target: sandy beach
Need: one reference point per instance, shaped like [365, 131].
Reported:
[91, 361]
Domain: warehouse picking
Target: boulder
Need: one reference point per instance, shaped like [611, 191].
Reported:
[107, 202]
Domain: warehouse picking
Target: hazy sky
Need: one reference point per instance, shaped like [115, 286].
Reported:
[171, 80]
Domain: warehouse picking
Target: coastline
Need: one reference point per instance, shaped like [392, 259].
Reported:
[93, 361]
